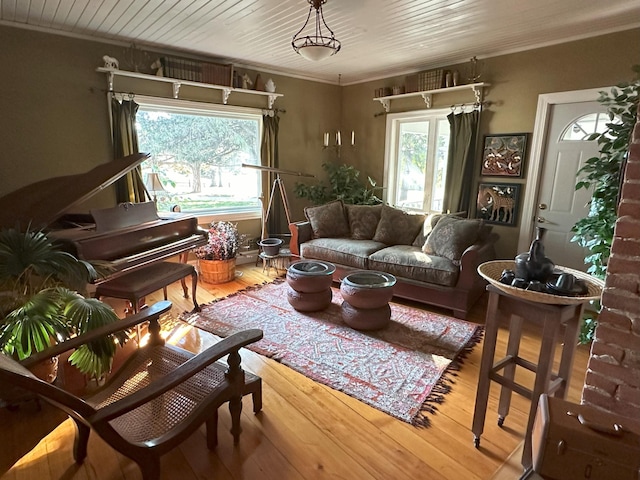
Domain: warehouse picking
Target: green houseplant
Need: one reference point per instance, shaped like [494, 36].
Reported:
[40, 301]
[344, 184]
[595, 231]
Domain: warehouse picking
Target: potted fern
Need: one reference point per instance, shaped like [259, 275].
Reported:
[41, 303]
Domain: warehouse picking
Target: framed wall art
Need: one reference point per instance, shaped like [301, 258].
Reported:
[498, 203]
[503, 155]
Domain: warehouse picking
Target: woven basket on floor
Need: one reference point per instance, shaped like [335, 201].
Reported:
[491, 271]
[217, 271]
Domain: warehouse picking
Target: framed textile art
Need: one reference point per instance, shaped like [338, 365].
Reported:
[503, 155]
[498, 203]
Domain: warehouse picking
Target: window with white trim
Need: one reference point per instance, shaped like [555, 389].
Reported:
[416, 153]
[197, 150]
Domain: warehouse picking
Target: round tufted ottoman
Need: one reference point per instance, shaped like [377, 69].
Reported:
[366, 297]
[309, 285]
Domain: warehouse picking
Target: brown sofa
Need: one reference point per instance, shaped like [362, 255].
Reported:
[434, 258]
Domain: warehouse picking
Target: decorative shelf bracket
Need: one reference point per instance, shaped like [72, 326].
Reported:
[477, 91]
[225, 95]
[176, 89]
[427, 98]
[386, 103]
[272, 99]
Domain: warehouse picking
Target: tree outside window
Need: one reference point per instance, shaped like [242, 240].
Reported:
[198, 155]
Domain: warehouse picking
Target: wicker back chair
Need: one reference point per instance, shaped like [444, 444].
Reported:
[159, 396]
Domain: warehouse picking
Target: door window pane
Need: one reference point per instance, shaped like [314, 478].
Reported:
[585, 126]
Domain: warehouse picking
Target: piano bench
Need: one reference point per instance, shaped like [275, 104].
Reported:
[136, 285]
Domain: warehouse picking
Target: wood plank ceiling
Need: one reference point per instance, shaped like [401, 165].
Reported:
[380, 38]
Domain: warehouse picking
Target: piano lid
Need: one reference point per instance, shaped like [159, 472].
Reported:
[43, 202]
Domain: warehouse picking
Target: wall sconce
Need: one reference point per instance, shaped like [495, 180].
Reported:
[338, 141]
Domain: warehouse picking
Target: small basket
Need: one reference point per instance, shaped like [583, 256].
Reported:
[492, 271]
[217, 271]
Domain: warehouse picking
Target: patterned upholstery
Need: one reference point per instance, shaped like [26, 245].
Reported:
[328, 220]
[451, 237]
[407, 261]
[363, 220]
[397, 227]
[352, 253]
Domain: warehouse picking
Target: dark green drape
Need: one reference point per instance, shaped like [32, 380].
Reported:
[269, 158]
[129, 188]
[462, 147]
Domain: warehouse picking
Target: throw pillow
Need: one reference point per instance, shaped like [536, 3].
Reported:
[397, 227]
[451, 237]
[328, 220]
[427, 228]
[363, 220]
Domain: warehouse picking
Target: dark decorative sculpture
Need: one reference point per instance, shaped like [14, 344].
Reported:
[534, 265]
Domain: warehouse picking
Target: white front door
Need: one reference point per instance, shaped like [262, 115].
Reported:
[550, 194]
[559, 205]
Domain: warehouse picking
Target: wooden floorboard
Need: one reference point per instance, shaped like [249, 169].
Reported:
[305, 431]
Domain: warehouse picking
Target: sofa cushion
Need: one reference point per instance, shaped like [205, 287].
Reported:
[427, 227]
[397, 227]
[451, 237]
[363, 220]
[328, 220]
[352, 253]
[407, 261]
[429, 223]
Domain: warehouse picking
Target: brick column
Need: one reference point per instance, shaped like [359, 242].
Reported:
[612, 381]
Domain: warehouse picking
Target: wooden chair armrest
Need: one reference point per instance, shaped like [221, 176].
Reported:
[185, 371]
[151, 313]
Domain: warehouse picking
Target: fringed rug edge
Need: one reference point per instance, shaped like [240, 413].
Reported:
[443, 385]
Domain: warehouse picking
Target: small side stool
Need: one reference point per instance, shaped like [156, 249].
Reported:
[518, 310]
[136, 285]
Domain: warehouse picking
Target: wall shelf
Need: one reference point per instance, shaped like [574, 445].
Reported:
[177, 83]
[427, 95]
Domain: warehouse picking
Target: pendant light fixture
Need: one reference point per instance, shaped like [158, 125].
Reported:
[316, 44]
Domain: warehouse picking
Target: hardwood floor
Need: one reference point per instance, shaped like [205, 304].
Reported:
[305, 431]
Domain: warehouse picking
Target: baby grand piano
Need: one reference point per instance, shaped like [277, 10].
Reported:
[125, 237]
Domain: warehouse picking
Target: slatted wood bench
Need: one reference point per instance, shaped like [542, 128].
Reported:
[136, 285]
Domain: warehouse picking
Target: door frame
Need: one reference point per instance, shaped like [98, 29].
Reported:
[538, 144]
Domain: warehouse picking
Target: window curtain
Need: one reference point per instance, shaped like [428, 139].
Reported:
[462, 147]
[269, 156]
[129, 188]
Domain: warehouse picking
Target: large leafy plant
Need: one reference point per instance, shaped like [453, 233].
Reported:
[595, 231]
[344, 184]
[40, 303]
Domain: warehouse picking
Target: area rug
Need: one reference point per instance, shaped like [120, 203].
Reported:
[403, 370]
